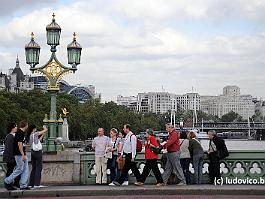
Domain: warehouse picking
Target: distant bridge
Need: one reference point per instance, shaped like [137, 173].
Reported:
[228, 126]
[255, 130]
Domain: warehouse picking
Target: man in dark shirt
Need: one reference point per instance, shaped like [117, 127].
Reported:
[22, 167]
[8, 155]
[173, 153]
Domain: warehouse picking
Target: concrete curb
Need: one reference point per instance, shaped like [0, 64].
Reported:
[60, 191]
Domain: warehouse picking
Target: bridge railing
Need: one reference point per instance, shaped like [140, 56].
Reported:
[79, 168]
[241, 164]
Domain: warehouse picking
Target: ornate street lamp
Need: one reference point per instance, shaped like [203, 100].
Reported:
[53, 71]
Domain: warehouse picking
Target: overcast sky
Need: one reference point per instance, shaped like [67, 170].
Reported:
[142, 45]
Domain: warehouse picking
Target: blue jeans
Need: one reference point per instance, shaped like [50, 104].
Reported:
[197, 164]
[185, 164]
[113, 167]
[22, 168]
[118, 175]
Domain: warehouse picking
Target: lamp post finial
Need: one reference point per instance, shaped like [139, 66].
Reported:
[74, 36]
[32, 35]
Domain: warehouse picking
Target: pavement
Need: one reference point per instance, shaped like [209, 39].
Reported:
[163, 197]
[103, 191]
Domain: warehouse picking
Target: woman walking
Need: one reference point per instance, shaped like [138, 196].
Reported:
[151, 160]
[36, 155]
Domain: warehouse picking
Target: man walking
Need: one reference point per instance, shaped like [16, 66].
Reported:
[22, 167]
[129, 152]
[99, 144]
[173, 156]
[8, 155]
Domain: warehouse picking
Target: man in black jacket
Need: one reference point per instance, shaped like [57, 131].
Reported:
[8, 155]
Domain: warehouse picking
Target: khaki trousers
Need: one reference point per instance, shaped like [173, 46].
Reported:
[101, 170]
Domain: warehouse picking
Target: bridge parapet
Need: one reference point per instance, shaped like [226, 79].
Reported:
[64, 167]
[241, 164]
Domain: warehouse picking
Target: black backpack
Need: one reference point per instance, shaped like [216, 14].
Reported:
[222, 151]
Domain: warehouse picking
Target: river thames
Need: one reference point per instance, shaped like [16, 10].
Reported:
[239, 144]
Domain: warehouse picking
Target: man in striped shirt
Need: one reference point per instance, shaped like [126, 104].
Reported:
[99, 144]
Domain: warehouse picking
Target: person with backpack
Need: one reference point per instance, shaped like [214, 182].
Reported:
[173, 161]
[151, 160]
[217, 151]
[196, 152]
[129, 152]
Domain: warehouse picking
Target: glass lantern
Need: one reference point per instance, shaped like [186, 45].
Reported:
[32, 50]
[74, 51]
[53, 33]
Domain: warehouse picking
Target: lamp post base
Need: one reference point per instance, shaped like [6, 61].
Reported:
[52, 148]
[44, 147]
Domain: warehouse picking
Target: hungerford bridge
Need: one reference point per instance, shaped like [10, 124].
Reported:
[255, 130]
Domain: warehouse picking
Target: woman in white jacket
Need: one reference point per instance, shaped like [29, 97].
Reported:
[185, 156]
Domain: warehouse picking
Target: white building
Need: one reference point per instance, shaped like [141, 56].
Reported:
[189, 101]
[130, 102]
[230, 100]
[15, 80]
[26, 84]
[3, 81]
[160, 102]
[156, 102]
[126, 101]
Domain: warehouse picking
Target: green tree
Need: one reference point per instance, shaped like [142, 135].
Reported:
[232, 117]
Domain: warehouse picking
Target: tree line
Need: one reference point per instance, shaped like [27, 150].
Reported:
[85, 118]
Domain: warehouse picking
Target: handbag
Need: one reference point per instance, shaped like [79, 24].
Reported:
[108, 153]
[37, 147]
[158, 149]
[121, 162]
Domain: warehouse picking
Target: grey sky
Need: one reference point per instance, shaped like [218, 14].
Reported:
[138, 46]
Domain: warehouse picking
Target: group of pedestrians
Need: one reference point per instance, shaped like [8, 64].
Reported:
[16, 159]
[182, 149]
[117, 152]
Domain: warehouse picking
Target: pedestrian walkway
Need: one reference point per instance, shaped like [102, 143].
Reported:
[103, 190]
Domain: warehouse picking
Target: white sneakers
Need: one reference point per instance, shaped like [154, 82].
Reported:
[38, 187]
[125, 183]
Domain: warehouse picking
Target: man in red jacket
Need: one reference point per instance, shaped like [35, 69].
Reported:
[173, 153]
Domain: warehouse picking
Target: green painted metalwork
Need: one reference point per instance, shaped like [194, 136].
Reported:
[240, 164]
[53, 71]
